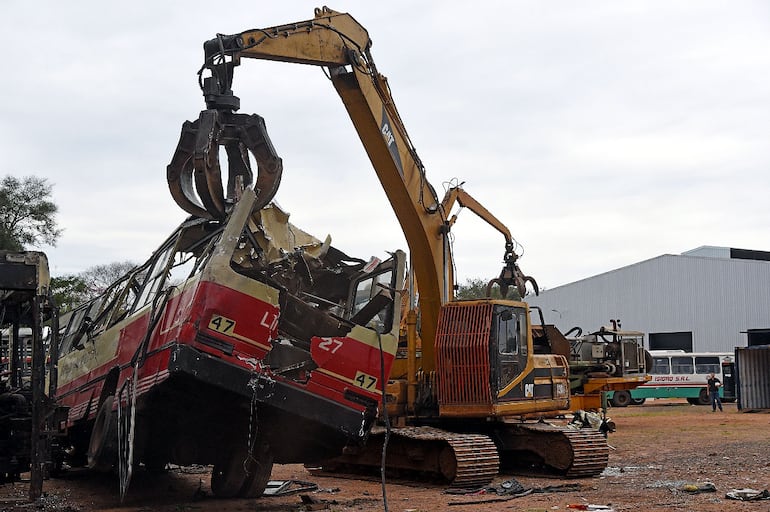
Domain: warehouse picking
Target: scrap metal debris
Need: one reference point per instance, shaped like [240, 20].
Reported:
[584, 419]
[587, 506]
[311, 503]
[558, 488]
[287, 487]
[508, 490]
[698, 488]
[748, 495]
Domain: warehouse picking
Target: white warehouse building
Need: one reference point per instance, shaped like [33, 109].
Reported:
[709, 299]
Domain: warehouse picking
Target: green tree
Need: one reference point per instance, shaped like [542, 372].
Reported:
[74, 289]
[27, 214]
[99, 277]
[476, 288]
[69, 291]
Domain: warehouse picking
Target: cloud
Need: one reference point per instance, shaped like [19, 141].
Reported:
[602, 133]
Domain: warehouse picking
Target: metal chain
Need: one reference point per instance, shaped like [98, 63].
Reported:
[126, 431]
[251, 438]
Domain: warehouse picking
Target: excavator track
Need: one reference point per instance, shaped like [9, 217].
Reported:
[463, 460]
[573, 453]
[590, 453]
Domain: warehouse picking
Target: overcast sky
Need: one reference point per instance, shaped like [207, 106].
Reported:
[601, 132]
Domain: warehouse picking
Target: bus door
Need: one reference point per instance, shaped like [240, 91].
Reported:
[728, 379]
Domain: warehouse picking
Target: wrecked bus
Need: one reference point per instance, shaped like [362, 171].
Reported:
[239, 343]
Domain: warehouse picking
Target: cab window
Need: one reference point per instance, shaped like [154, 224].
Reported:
[507, 333]
[366, 291]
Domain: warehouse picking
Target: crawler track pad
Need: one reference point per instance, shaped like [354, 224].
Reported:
[461, 460]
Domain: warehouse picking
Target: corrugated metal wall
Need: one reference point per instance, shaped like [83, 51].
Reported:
[709, 251]
[715, 299]
[753, 370]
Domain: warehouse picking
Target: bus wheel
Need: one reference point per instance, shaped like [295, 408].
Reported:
[621, 399]
[259, 468]
[703, 397]
[103, 446]
[227, 476]
[637, 401]
[240, 476]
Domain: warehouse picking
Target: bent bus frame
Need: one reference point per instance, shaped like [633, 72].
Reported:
[239, 341]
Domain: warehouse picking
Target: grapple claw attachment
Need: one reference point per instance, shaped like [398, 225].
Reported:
[208, 177]
[195, 176]
[252, 132]
[179, 172]
[511, 275]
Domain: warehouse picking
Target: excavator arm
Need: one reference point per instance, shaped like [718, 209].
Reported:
[511, 275]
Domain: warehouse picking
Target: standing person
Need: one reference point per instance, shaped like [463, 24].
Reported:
[714, 384]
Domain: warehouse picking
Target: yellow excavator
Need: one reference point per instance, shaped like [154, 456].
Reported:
[470, 372]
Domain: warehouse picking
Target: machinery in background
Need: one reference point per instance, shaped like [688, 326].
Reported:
[27, 415]
[608, 362]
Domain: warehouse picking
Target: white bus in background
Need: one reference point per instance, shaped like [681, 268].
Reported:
[680, 374]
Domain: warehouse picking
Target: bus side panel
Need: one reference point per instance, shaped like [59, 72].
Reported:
[229, 325]
[83, 373]
[175, 315]
[245, 325]
[666, 392]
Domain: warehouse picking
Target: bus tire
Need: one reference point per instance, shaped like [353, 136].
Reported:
[103, 445]
[621, 399]
[637, 401]
[259, 467]
[238, 476]
[703, 397]
[227, 476]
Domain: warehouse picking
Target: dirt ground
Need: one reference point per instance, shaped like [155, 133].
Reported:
[658, 448]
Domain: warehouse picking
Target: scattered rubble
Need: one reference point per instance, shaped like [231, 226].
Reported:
[653, 450]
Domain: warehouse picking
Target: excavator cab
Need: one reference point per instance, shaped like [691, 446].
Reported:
[486, 363]
[509, 344]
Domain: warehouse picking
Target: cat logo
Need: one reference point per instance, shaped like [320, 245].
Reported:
[529, 390]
